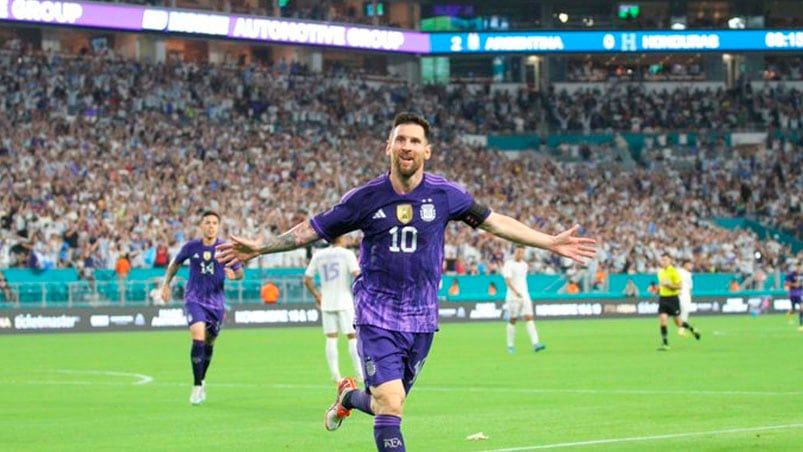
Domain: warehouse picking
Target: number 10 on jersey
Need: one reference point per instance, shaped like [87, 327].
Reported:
[403, 240]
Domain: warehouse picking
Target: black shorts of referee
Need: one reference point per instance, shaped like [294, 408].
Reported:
[669, 305]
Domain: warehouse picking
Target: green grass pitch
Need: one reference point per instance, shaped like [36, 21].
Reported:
[600, 385]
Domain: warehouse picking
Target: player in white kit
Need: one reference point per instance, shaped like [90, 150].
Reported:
[336, 267]
[519, 303]
[684, 296]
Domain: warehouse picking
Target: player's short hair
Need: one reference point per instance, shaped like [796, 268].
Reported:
[210, 213]
[408, 117]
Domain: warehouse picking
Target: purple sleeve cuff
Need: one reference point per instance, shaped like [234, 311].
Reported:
[314, 223]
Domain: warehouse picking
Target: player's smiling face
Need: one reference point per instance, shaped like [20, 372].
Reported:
[408, 149]
[210, 226]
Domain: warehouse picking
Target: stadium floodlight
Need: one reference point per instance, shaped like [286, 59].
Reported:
[678, 22]
[563, 17]
[737, 23]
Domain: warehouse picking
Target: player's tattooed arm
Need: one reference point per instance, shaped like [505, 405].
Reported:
[172, 269]
[241, 250]
[300, 235]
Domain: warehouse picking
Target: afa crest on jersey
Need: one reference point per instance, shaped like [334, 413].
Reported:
[428, 212]
[404, 212]
[207, 255]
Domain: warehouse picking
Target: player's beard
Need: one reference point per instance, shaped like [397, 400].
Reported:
[407, 168]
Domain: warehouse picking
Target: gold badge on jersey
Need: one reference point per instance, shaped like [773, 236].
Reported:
[207, 255]
[404, 213]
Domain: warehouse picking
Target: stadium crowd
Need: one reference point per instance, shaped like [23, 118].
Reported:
[633, 108]
[599, 71]
[102, 158]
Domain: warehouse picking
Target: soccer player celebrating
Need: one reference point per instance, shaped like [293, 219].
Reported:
[203, 297]
[670, 284]
[794, 282]
[403, 215]
[336, 266]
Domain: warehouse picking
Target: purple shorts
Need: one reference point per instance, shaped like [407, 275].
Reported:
[213, 318]
[392, 355]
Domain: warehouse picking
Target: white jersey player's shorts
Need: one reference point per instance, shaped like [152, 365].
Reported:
[519, 307]
[685, 306]
[341, 321]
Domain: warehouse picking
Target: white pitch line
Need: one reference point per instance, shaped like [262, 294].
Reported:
[65, 383]
[144, 379]
[453, 389]
[646, 438]
[141, 379]
[613, 391]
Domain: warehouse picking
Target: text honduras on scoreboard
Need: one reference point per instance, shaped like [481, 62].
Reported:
[618, 41]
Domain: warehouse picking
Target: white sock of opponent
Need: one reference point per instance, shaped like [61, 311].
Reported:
[530, 325]
[511, 334]
[331, 357]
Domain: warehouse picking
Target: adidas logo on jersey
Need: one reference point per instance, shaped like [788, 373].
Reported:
[379, 215]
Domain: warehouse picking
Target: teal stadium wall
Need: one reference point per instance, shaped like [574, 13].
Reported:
[52, 286]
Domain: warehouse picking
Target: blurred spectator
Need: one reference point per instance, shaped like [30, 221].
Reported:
[162, 256]
[783, 68]
[571, 288]
[454, 287]
[269, 293]
[600, 283]
[759, 280]
[630, 290]
[122, 267]
[459, 266]
[155, 294]
[5, 289]
[492, 288]
[86, 269]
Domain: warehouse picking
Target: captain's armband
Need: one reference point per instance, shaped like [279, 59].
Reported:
[476, 214]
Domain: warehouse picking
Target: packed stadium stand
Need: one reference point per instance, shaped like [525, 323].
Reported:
[104, 155]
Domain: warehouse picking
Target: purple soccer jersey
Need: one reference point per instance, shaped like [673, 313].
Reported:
[205, 284]
[792, 278]
[401, 255]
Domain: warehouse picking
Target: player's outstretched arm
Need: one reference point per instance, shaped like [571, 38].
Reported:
[172, 269]
[565, 244]
[242, 250]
